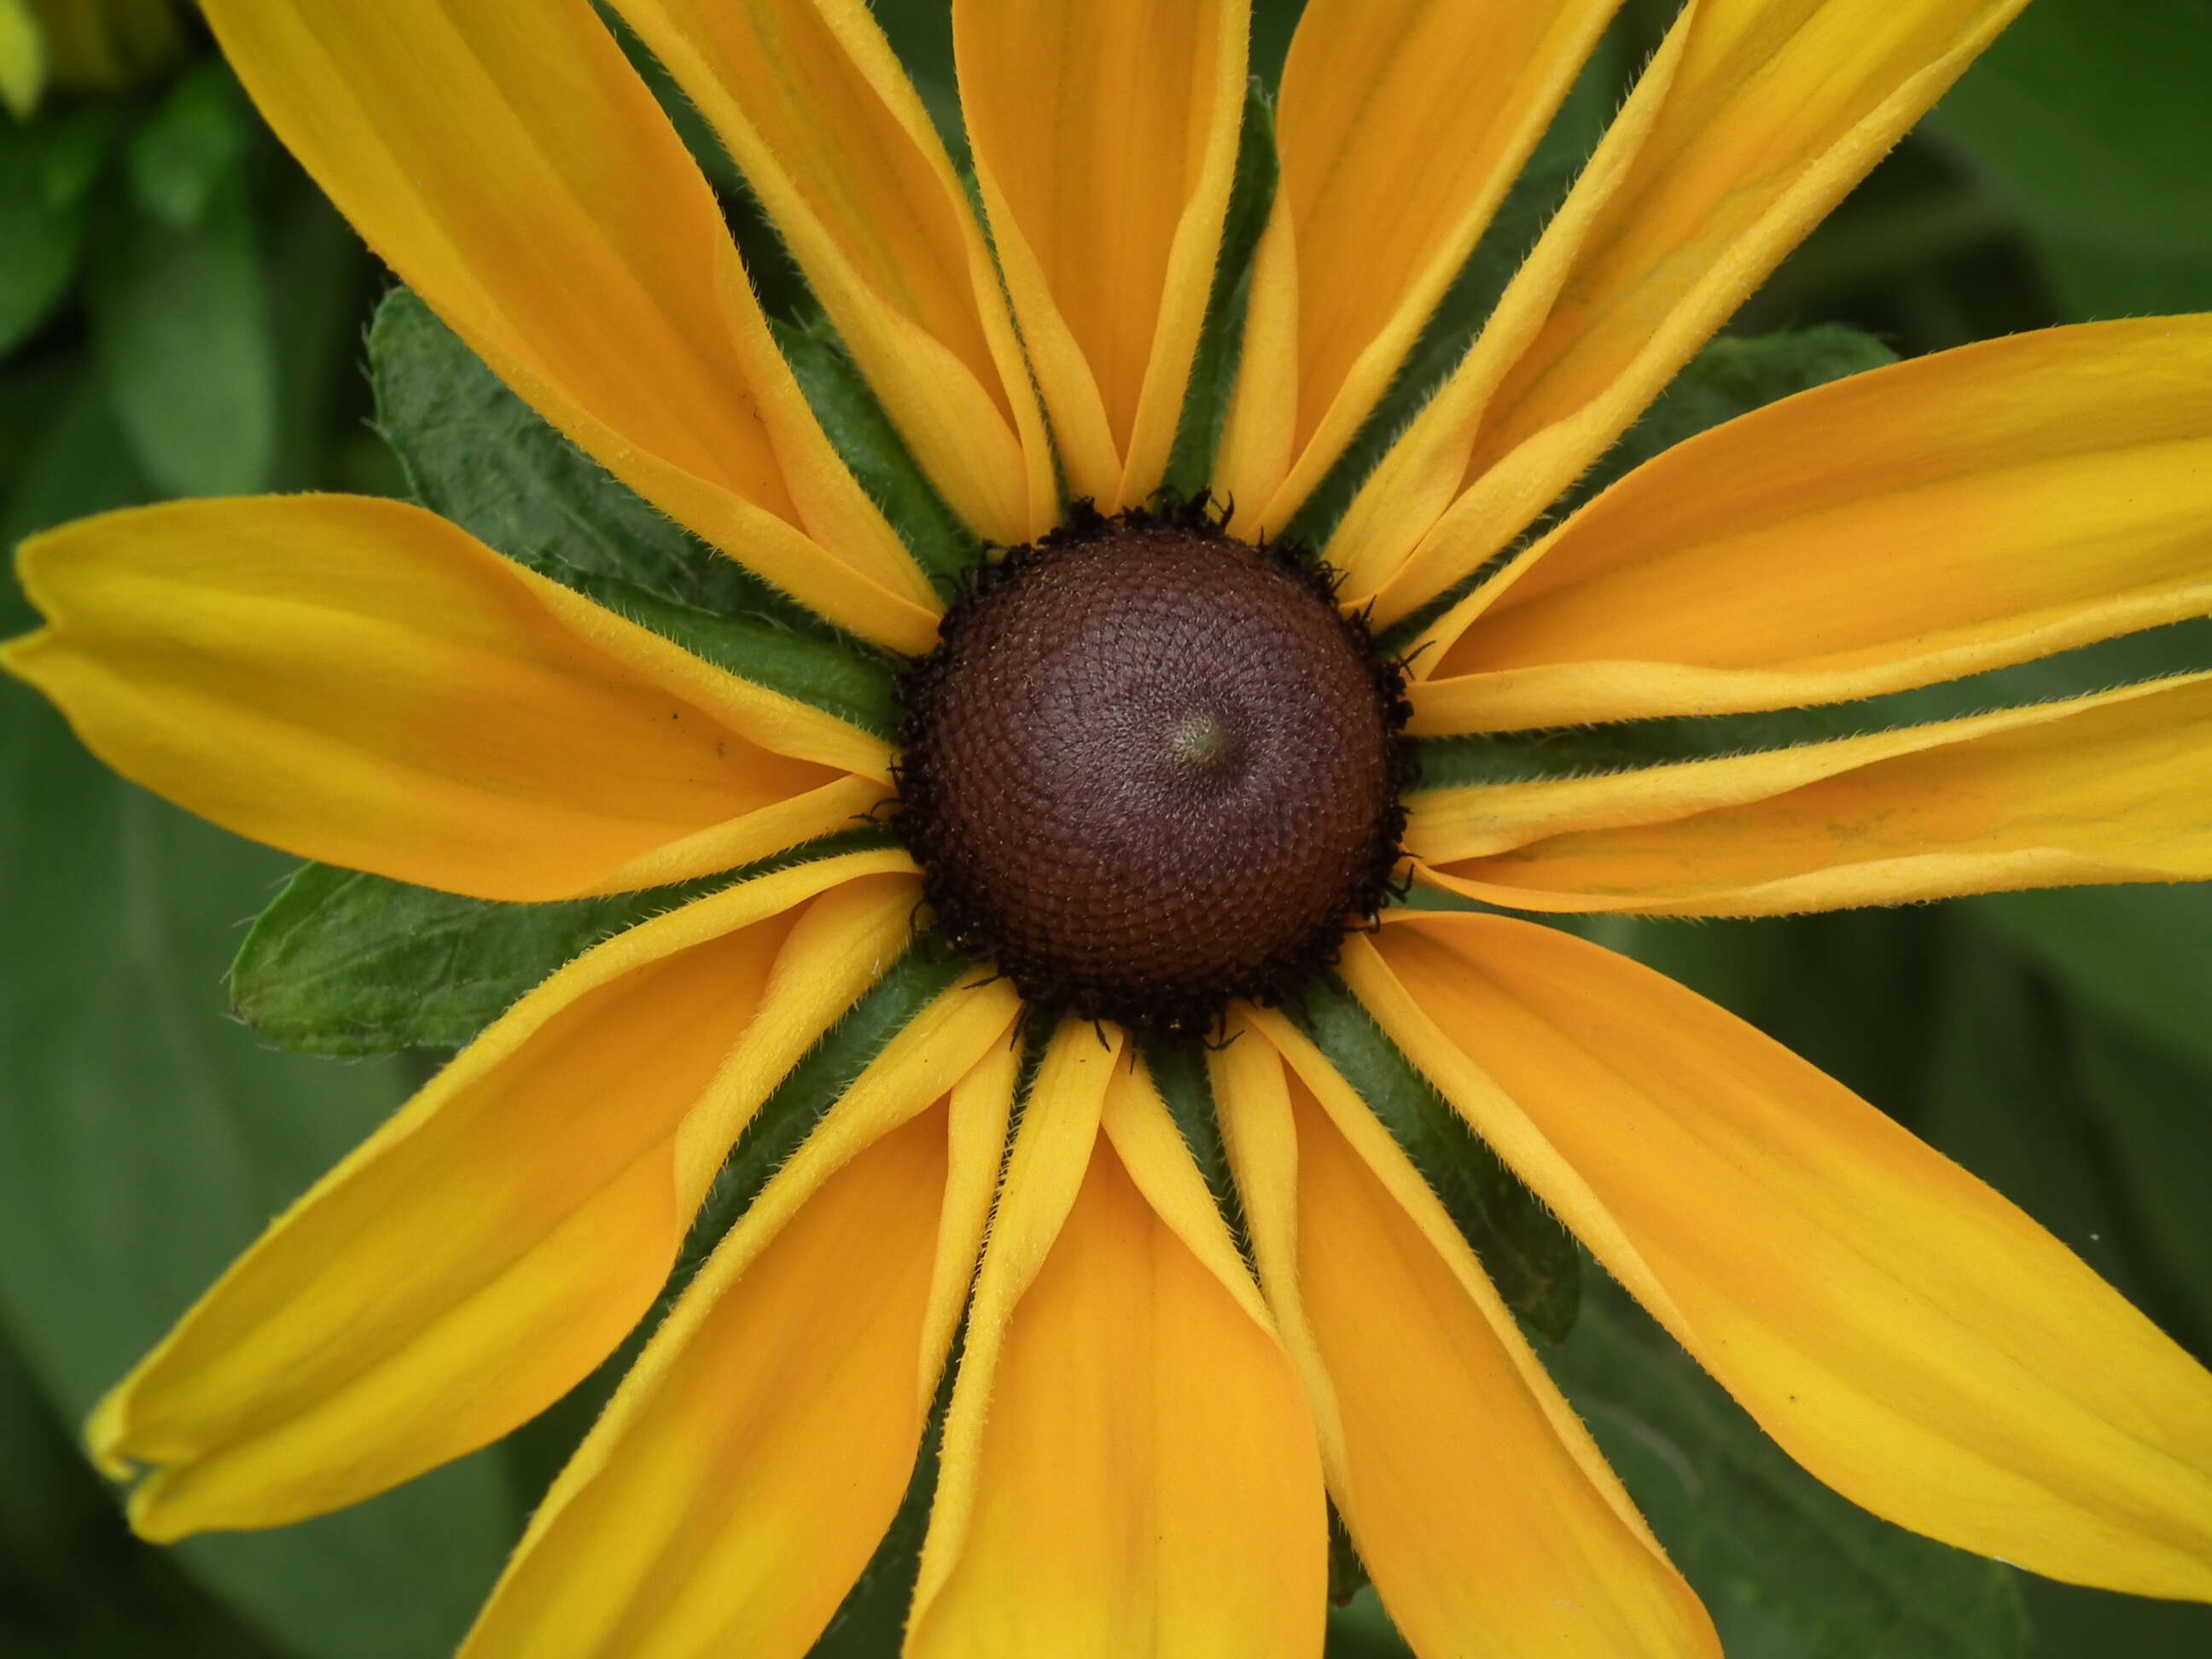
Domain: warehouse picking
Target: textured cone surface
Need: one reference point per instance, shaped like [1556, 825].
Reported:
[1150, 770]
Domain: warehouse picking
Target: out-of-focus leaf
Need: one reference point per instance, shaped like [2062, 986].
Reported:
[46, 172]
[1789, 1570]
[2140, 955]
[73, 1584]
[2096, 118]
[145, 1139]
[192, 143]
[1528, 1255]
[2155, 1117]
[341, 962]
[183, 332]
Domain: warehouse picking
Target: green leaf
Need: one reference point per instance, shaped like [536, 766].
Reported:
[341, 962]
[47, 168]
[183, 332]
[1528, 1255]
[2093, 118]
[863, 436]
[2137, 954]
[478, 455]
[859, 689]
[1221, 338]
[145, 1139]
[1788, 1569]
[191, 146]
[73, 1581]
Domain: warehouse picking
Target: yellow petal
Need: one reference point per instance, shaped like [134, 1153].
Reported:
[1960, 513]
[1105, 136]
[1146, 1480]
[1486, 1517]
[357, 681]
[479, 1254]
[1903, 1332]
[831, 135]
[1402, 123]
[749, 1464]
[512, 169]
[1761, 115]
[2092, 790]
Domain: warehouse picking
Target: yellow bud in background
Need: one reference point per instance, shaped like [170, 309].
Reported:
[23, 59]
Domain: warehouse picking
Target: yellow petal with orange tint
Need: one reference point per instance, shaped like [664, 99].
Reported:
[357, 681]
[1483, 1512]
[1105, 136]
[1144, 1479]
[511, 167]
[1903, 1332]
[1402, 125]
[1767, 114]
[2092, 790]
[747, 1466]
[1956, 514]
[477, 1256]
[831, 135]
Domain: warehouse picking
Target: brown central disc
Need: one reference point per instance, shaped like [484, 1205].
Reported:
[1149, 771]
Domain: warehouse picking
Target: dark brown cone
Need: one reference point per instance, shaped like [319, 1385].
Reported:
[1150, 770]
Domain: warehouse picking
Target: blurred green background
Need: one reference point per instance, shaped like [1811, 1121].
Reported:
[181, 314]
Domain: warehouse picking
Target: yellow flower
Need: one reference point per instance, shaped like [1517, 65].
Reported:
[1142, 1428]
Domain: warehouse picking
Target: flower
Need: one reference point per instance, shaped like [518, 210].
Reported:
[1141, 1426]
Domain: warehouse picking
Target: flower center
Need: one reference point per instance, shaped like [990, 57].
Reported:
[1150, 770]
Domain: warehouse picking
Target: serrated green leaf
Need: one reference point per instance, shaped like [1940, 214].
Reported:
[46, 171]
[192, 143]
[1788, 1569]
[183, 334]
[1213, 366]
[859, 689]
[1528, 1255]
[475, 454]
[341, 962]
[863, 436]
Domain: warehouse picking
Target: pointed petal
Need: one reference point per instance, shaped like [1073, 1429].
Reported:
[831, 136]
[1903, 1332]
[1146, 1480]
[1960, 513]
[512, 169]
[2091, 791]
[1105, 136]
[1763, 115]
[484, 1249]
[1510, 1537]
[357, 681]
[749, 1464]
[1402, 123]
